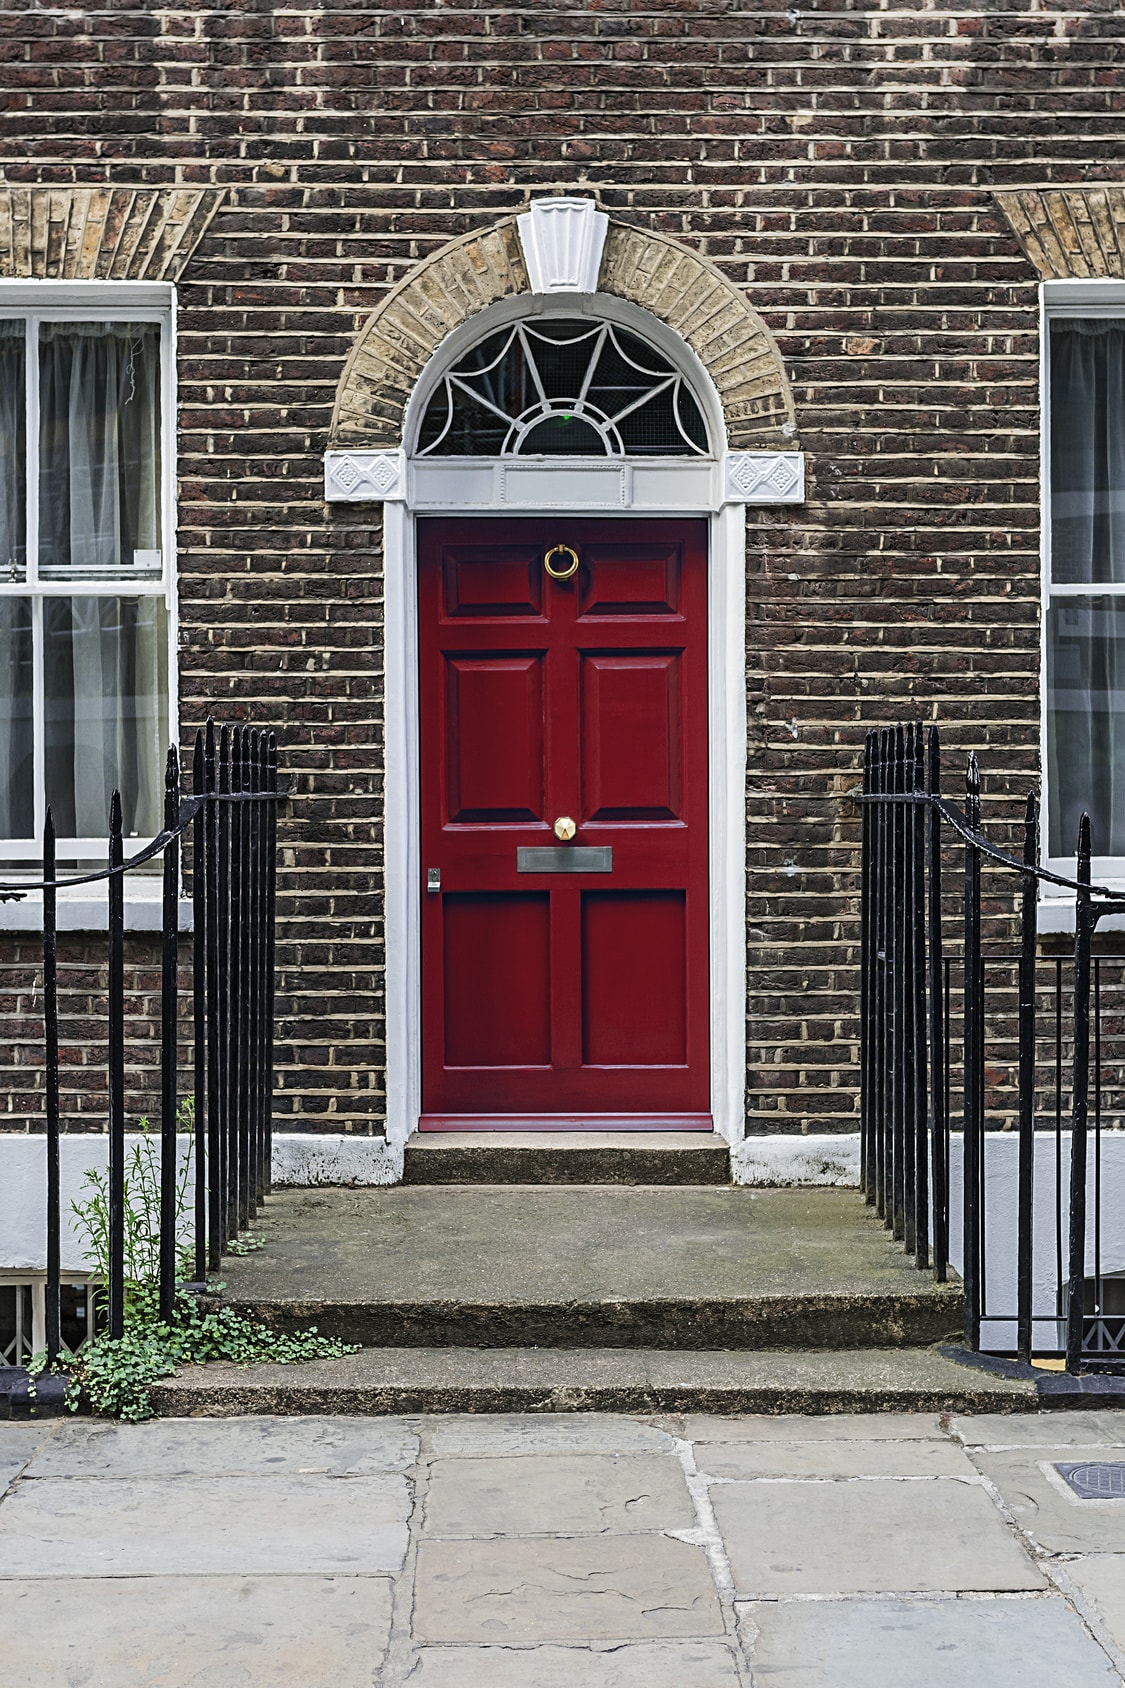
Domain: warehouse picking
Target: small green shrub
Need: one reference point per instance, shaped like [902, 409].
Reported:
[142, 1208]
[114, 1377]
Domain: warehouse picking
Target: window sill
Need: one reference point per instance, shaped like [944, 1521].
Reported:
[1056, 916]
[90, 914]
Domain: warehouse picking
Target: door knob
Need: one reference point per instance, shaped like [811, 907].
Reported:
[564, 829]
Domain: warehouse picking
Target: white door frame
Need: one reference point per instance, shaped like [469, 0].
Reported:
[726, 742]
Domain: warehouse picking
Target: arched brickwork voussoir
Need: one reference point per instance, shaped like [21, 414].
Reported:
[685, 291]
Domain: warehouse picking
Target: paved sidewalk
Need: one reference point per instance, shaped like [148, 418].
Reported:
[564, 1551]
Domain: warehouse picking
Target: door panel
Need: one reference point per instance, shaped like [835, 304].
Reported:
[494, 738]
[552, 997]
[499, 580]
[630, 736]
[632, 579]
[496, 978]
[634, 954]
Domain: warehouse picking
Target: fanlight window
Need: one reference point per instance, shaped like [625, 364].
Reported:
[563, 387]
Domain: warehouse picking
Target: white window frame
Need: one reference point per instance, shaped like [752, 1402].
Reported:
[91, 301]
[1059, 299]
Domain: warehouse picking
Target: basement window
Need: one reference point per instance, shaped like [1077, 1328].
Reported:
[23, 1316]
[86, 519]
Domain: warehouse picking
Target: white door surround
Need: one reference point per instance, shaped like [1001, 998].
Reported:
[403, 869]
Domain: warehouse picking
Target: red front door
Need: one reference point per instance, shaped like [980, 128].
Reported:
[564, 978]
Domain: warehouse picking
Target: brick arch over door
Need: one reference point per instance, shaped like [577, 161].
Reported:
[684, 291]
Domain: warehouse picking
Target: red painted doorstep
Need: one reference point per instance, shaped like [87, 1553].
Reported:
[566, 1122]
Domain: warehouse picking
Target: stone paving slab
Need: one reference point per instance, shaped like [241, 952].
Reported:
[818, 1427]
[543, 1433]
[1101, 1578]
[560, 1494]
[1049, 1513]
[234, 1447]
[60, 1527]
[639, 1664]
[786, 1538]
[551, 1550]
[833, 1459]
[1041, 1429]
[925, 1644]
[18, 1444]
[192, 1632]
[601, 1588]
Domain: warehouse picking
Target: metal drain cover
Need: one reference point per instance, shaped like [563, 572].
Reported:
[1094, 1480]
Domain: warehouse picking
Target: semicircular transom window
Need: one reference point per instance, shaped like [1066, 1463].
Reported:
[563, 387]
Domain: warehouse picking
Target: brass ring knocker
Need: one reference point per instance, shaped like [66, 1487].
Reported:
[571, 568]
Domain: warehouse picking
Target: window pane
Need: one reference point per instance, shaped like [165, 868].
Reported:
[1086, 723]
[106, 679]
[581, 377]
[17, 815]
[1087, 451]
[13, 452]
[99, 444]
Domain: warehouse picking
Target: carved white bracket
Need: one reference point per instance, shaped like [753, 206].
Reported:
[764, 477]
[355, 477]
[562, 242]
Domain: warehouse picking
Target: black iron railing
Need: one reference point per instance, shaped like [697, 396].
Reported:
[1010, 1054]
[230, 820]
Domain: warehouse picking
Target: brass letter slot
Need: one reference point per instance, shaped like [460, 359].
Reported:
[578, 858]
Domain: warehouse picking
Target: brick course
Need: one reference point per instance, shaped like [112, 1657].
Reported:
[839, 162]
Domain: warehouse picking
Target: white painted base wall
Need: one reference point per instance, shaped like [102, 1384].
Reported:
[297, 1160]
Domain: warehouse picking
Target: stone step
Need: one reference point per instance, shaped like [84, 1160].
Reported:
[474, 1380]
[593, 1266]
[567, 1157]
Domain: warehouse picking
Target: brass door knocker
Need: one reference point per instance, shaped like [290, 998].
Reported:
[571, 568]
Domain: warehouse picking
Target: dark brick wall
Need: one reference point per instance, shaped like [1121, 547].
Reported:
[82, 976]
[837, 160]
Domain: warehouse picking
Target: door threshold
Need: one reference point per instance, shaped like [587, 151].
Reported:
[510, 1123]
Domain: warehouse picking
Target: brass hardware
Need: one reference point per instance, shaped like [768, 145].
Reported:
[564, 829]
[571, 567]
[575, 858]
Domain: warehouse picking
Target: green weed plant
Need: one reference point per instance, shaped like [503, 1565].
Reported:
[113, 1377]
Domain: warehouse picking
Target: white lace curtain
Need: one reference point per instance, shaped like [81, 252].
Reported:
[104, 657]
[1086, 634]
[16, 740]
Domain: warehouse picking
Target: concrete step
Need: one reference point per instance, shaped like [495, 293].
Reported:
[474, 1380]
[567, 1157]
[594, 1266]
